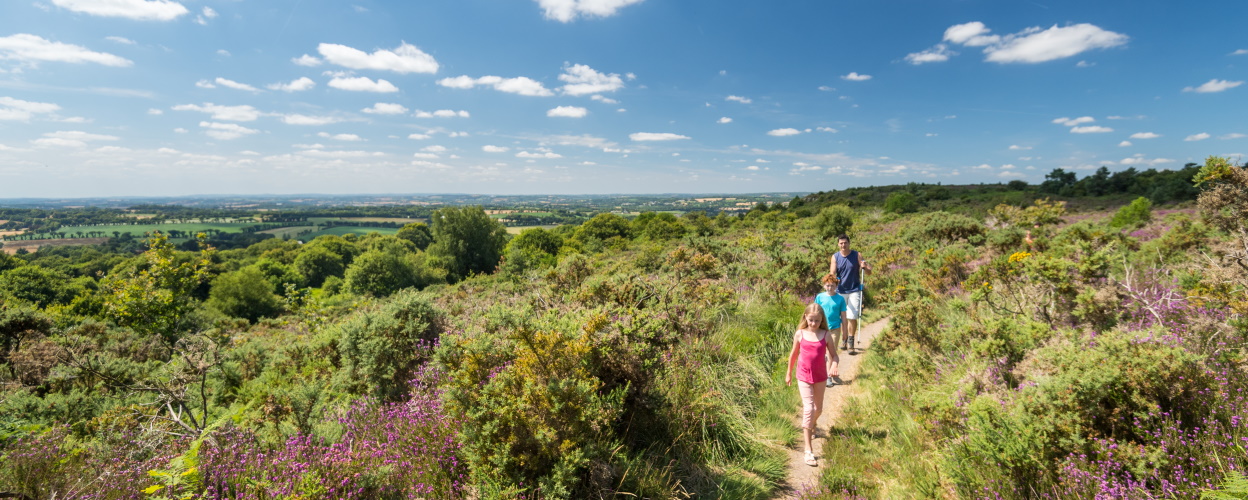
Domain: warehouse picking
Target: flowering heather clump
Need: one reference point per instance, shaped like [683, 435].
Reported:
[53, 464]
[398, 450]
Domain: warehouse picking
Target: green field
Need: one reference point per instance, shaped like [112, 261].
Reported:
[341, 230]
[139, 229]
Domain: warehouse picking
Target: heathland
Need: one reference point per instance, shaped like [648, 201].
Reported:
[1081, 338]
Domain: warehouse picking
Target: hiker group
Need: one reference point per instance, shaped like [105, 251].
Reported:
[830, 320]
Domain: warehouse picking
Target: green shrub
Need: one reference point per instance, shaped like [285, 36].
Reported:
[901, 202]
[834, 221]
[1136, 214]
[381, 348]
[941, 227]
[246, 293]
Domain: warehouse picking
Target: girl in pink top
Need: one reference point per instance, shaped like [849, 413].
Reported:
[810, 351]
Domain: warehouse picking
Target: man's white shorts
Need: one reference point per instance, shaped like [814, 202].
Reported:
[853, 304]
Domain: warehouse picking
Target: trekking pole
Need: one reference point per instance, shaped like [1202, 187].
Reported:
[862, 298]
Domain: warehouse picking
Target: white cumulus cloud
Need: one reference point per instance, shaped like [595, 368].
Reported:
[141, 10]
[652, 136]
[566, 11]
[1145, 135]
[243, 113]
[567, 112]
[973, 34]
[441, 113]
[781, 132]
[494, 149]
[341, 137]
[303, 83]
[1034, 45]
[19, 110]
[29, 48]
[724, 119]
[541, 153]
[939, 53]
[855, 77]
[406, 58]
[737, 98]
[226, 131]
[519, 85]
[306, 60]
[235, 85]
[362, 84]
[386, 108]
[581, 80]
[1214, 85]
[1196, 137]
[1124, 144]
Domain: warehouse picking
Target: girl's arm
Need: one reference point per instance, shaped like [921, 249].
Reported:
[788, 375]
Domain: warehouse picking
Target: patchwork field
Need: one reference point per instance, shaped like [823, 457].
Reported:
[10, 247]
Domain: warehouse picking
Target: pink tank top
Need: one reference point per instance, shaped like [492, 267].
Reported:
[811, 360]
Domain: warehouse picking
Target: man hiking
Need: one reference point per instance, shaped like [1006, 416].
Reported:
[848, 266]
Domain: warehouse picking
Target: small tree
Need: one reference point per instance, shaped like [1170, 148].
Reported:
[380, 274]
[1135, 214]
[466, 241]
[245, 293]
[155, 297]
[834, 221]
[901, 202]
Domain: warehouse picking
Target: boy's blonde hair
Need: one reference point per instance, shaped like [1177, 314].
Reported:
[813, 308]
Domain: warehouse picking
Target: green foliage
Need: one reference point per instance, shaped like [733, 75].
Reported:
[246, 293]
[380, 349]
[155, 297]
[605, 226]
[901, 202]
[18, 323]
[418, 233]
[466, 241]
[942, 227]
[317, 263]
[380, 274]
[532, 248]
[36, 285]
[834, 221]
[657, 226]
[1234, 487]
[1042, 212]
[1134, 215]
[534, 412]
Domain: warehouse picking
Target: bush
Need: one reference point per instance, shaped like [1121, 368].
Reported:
[1136, 214]
[901, 202]
[246, 293]
[834, 221]
[381, 349]
[380, 274]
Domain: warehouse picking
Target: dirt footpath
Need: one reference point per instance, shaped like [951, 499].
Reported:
[834, 400]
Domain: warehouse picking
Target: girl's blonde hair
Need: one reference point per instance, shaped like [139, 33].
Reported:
[813, 308]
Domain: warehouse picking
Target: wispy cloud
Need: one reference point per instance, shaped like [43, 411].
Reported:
[855, 77]
[1145, 135]
[651, 136]
[566, 11]
[404, 59]
[141, 10]
[19, 110]
[441, 113]
[724, 119]
[299, 85]
[243, 113]
[938, 53]
[235, 85]
[32, 49]
[1091, 129]
[1196, 137]
[1214, 85]
[781, 132]
[226, 131]
[737, 98]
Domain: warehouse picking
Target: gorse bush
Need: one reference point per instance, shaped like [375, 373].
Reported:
[1136, 214]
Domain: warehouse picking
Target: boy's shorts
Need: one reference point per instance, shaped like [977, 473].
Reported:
[853, 304]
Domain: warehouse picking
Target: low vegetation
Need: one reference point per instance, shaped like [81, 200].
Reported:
[1033, 352]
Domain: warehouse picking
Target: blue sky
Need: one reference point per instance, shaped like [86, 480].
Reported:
[174, 97]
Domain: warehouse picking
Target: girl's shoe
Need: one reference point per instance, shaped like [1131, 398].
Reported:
[810, 459]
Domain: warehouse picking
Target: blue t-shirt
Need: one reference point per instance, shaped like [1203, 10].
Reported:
[833, 305]
[849, 272]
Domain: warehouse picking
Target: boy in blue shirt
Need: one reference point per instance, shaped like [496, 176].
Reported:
[833, 305]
